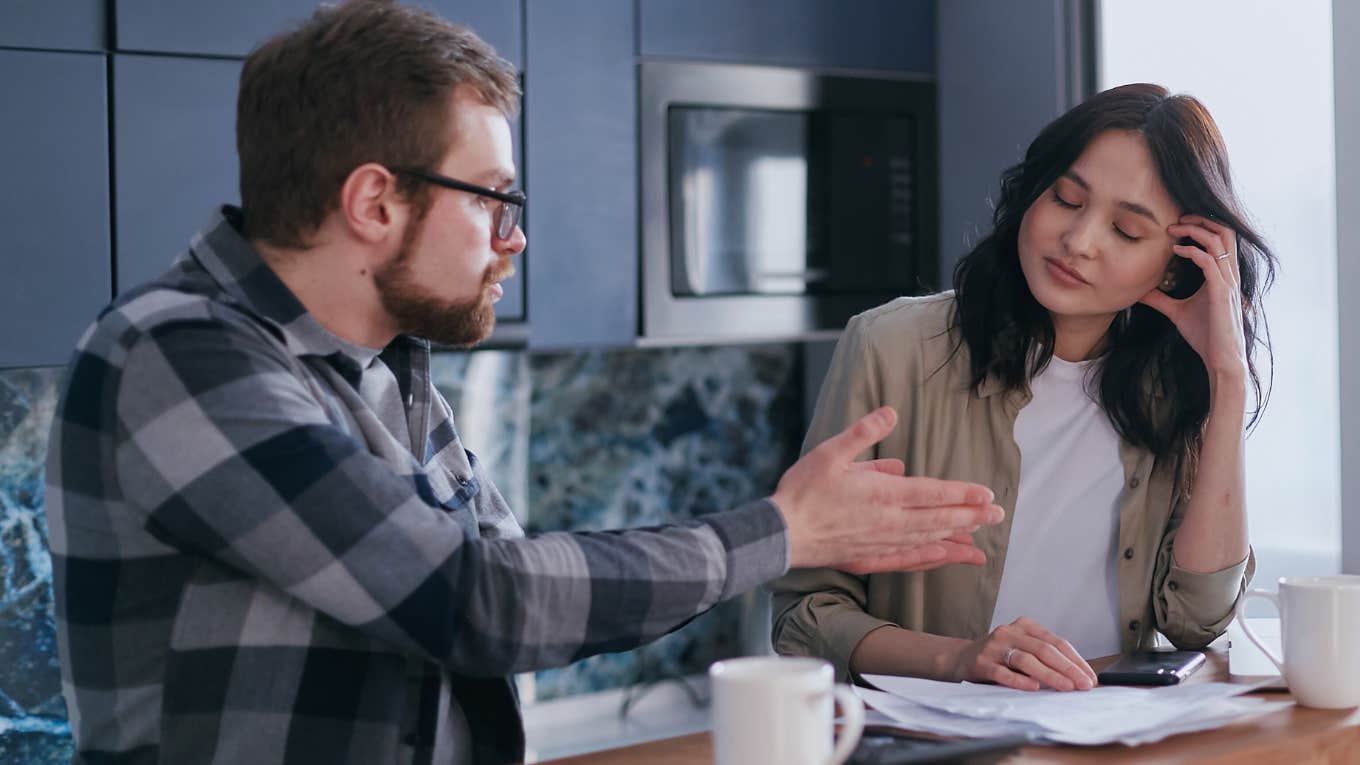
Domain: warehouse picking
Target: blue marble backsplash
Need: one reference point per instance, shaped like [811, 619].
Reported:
[583, 440]
[33, 726]
[633, 438]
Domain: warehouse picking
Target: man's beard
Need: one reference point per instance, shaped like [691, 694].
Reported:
[460, 323]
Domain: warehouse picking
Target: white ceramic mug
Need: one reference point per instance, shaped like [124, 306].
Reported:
[1319, 630]
[778, 709]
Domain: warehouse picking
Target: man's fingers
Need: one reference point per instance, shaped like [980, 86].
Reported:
[914, 558]
[888, 465]
[867, 431]
[954, 554]
[966, 554]
[924, 557]
[916, 491]
[949, 519]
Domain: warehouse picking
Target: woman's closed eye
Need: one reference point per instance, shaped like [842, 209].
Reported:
[1063, 202]
[1126, 236]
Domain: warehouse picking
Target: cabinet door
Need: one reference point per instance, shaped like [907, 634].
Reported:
[212, 27]
[175, 151]
[511, 305]
[55, 211]
[67, 25]
[862, 34]
[174, 139]
[581, 155]
[1001, 81]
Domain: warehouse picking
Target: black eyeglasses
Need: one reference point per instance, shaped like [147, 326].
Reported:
[507, 213]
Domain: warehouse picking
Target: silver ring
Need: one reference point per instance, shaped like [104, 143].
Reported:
[1224, 255]
[1006, 657]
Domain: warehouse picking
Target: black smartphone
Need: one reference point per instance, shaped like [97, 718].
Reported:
[1151, 668]
[1186, 275]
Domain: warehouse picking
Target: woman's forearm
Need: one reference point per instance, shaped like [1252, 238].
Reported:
[1213, 534]
[896, 651]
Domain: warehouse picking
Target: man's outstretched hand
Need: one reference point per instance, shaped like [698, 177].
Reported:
[865, 517]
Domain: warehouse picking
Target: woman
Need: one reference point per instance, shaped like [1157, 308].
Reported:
[1107, 415]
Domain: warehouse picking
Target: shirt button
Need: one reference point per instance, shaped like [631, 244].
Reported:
[1134, 482]
[1128, 553]
[1134, 625]
[1171, 585]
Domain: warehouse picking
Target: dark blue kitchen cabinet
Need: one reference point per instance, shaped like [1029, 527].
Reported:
[581, 157]
[174, 142]
[1003, 75]
[511, 305]
[54, 209]
[216, 28]
[860, 34]
[64, 25]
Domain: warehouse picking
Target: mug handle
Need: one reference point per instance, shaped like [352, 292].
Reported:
[1242, 620]
[853, 727]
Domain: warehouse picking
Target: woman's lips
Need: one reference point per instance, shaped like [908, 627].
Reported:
[1064, 275]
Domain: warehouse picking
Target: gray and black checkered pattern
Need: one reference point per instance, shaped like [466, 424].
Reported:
[251, 567]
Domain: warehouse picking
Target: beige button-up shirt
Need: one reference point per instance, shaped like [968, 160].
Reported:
[900, 354]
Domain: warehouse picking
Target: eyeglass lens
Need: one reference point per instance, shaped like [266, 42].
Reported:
[507, 217]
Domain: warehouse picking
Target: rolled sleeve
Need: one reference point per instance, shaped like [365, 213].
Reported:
[815, 618]
[1195, 608]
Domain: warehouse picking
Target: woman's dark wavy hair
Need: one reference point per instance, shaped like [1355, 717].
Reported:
[1152, 385]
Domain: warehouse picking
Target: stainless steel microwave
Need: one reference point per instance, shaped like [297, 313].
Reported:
[777, 203]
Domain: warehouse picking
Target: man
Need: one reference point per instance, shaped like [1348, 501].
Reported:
[269, 543]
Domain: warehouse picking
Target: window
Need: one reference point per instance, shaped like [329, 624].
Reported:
[1264, 70]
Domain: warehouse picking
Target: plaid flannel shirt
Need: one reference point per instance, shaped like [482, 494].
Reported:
[250, 567]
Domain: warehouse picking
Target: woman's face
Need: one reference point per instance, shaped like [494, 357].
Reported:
[1095, 241]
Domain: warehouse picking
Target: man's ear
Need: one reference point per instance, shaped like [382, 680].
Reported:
[370, 205]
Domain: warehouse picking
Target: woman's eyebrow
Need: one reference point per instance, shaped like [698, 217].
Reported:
[1132, 207]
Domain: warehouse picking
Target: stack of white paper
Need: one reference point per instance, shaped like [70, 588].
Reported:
[1104, 715]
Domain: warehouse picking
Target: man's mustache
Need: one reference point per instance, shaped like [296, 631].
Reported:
[499, 273]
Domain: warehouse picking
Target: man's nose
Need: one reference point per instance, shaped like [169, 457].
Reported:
[514, 244]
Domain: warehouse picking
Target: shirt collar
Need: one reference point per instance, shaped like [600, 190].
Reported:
[243, 275]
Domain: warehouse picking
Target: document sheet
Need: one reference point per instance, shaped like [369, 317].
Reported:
[1103, 715]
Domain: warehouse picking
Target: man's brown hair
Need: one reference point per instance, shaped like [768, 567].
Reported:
[362, 81]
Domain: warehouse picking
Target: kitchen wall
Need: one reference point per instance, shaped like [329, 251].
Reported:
[120, 123]
[580, 440]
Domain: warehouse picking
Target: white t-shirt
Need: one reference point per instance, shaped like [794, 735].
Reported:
[1061, 565]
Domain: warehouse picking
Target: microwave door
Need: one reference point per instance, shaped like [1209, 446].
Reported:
[738, 201]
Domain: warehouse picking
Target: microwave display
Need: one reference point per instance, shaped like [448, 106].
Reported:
[768, 202]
